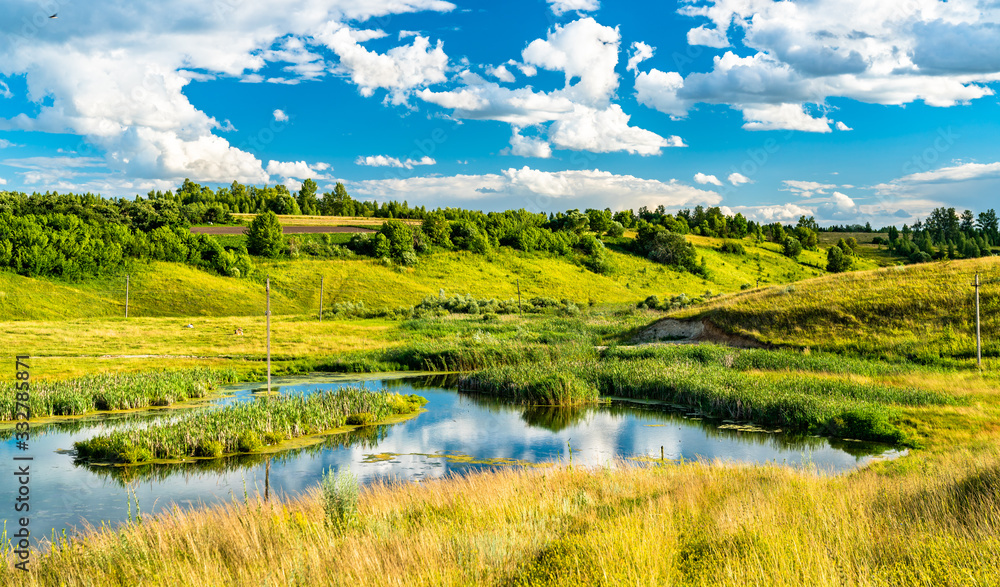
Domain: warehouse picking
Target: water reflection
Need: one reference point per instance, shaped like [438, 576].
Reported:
[457, 433]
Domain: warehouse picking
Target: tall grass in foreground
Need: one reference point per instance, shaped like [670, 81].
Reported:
[116, 391]
[694, 524]
[247, 426]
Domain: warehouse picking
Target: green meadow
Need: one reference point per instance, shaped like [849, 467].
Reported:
[883, 354]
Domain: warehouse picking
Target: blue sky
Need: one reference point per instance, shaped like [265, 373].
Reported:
[772, 109]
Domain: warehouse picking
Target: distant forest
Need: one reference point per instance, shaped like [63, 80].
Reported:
[74, 236]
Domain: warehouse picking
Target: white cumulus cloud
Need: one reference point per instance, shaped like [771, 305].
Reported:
[704, 179]
[537, 190]
[386, 161]
[115, 73]
[280, 116]
[560, 7]
[737, 178]
[805, 53]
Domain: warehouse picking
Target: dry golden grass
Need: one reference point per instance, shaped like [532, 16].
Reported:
[932, 520]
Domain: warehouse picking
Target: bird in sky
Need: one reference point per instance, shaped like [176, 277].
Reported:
[56, 15]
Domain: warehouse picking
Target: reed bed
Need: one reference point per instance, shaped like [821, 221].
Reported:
[245, 427]
[533, 383]
[709, 380]
[114, 391]
[763, 360]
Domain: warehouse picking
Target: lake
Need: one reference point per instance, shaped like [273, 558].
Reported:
[457, 433]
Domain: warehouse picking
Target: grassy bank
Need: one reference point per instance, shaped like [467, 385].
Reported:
[246, 427]
[938, 524]
[921, 312]
[114, 391]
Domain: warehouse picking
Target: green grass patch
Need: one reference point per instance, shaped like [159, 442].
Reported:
[246, 426]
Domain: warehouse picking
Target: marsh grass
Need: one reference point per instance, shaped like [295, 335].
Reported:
[244, 427]
[114, 391]
[774, 389]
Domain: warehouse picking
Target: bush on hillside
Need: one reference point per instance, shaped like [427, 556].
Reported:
[264, 236]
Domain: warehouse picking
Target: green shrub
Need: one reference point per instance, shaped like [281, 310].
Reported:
[733, 248]
[208, 448]
[248, 442]
[360, 419]
[340, 499]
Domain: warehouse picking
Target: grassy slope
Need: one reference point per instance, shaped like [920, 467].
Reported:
[168, 289]
[922, 311]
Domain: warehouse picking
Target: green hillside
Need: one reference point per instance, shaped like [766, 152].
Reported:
[161, 289]
[924, 312]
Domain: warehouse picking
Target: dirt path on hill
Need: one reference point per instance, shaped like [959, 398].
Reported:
[220, 230]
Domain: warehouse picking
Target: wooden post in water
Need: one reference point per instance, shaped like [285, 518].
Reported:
[126, 295]
[267, 313]
[267, 481]
[979, 341]
[320, 299]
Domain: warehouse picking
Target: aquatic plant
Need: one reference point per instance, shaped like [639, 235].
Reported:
[114, 391]
[244, 427]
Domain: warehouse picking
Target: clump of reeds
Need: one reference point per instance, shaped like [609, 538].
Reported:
[244, 427]
[114, 391]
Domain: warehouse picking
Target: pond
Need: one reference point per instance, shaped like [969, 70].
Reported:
[456, 434]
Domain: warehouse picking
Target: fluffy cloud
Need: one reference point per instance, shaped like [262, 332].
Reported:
[385, 161]
[640, 52]
[297, 169]
[560, 7]
[807, 52]
[709, 37]
[399, 70]
[956, 173]
[582, 49]
[806, 189]
[580, 116]
[501, 73]
[538, 190]
[115, 74]
[528, 146]
[704, 179]
[782, 117]
[736, 178]
[280, 116]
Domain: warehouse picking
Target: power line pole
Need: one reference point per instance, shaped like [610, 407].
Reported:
[320, 299]
[979, 341]
[519, 311]
[268, 314]
[126, 295]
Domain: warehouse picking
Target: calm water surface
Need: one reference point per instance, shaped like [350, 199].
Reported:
[458, 433]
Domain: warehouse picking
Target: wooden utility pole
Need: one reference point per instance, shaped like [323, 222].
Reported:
[126, 295]
[519, 297]
[267, 313]
[979, 341]
[320, 299]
